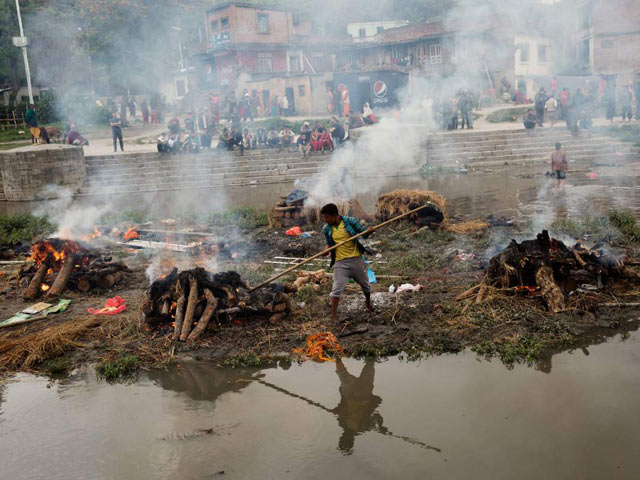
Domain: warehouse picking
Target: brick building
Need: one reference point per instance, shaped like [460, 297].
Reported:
[607, 38]
[266, 49]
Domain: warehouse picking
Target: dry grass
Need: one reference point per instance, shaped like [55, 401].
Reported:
[24, 352]
[464, 228]
[28, 349]
[402, 201]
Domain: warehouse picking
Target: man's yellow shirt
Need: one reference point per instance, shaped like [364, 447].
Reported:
[349, 249]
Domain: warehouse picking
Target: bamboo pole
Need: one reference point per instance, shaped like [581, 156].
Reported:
[324, 252]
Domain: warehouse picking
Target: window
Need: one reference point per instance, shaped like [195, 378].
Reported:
[263, 23]
[180, 88]
[317, 62]
[362, 33]
[421, 54]
[214, 25]
[584, 52]
[542, 54]
[301, 91]
[224, 22]
[435, 52]
[379, 30]
[524, 53]
[264, 63]
[607, 43]
[294, 63]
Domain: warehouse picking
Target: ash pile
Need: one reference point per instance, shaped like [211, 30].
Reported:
[55, 265]
[548, 268]
[186, 304]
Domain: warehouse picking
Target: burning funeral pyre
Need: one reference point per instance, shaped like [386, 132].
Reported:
[57, 264]
[547, 267]
[191, 301]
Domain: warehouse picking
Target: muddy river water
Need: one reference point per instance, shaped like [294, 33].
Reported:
[452, 416]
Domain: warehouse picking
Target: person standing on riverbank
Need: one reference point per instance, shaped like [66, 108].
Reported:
[31, 119]
[346, 260]
[559, 165]
[116, 131]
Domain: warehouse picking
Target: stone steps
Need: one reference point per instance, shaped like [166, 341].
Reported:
[207, 153]
[197, 183]
[493, 145]
[199, 174]
[190, 162]
[181, 170]
[150, 172]
[473, 157]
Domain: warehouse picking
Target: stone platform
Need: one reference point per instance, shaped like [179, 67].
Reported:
[27, 172]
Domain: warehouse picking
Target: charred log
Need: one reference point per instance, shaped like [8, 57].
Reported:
[60, 283]
[33, 290]
[212, 304]
[191, 308]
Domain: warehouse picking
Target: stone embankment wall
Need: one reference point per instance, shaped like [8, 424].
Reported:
[27, 172]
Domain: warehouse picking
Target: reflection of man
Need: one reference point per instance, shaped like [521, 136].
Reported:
[356, 411]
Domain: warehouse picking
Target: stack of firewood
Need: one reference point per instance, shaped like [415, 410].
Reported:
[547, 266]
[195, 300]
[287, 214]
[55, 265]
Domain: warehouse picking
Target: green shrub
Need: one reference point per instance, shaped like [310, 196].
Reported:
[626, 222]
[57, 366]
[121, 368]
[243, 217]
[513, 114]
[23, 227]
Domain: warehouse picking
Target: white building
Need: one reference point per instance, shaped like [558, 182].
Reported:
[366, 31]
[533, 60]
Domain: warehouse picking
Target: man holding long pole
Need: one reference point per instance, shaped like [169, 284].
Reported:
[346, 259]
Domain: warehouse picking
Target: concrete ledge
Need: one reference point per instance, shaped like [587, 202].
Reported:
[28, 170]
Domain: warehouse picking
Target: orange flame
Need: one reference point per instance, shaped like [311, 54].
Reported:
[526, 288]
[92, 236]
[131, 234]
[44, 287]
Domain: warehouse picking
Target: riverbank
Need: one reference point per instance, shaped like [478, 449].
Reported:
[432, 321]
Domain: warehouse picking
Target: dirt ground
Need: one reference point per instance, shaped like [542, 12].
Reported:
[428, 322]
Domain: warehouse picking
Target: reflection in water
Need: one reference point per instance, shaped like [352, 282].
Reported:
[491, 422]
[357, 411]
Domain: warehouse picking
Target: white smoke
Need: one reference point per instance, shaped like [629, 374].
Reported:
[74, 220]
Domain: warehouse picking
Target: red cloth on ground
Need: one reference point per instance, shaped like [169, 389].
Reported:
[112, 306]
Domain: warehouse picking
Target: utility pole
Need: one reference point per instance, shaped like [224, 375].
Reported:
[21, 42]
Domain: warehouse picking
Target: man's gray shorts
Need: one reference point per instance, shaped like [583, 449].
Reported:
[346, 269]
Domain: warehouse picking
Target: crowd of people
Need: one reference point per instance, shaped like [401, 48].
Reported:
[578, 108]
[197, 133]
[451, 113]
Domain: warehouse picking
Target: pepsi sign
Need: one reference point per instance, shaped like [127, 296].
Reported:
[380, 92]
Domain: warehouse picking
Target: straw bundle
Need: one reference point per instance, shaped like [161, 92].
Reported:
[402, 201]
[350, 208]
